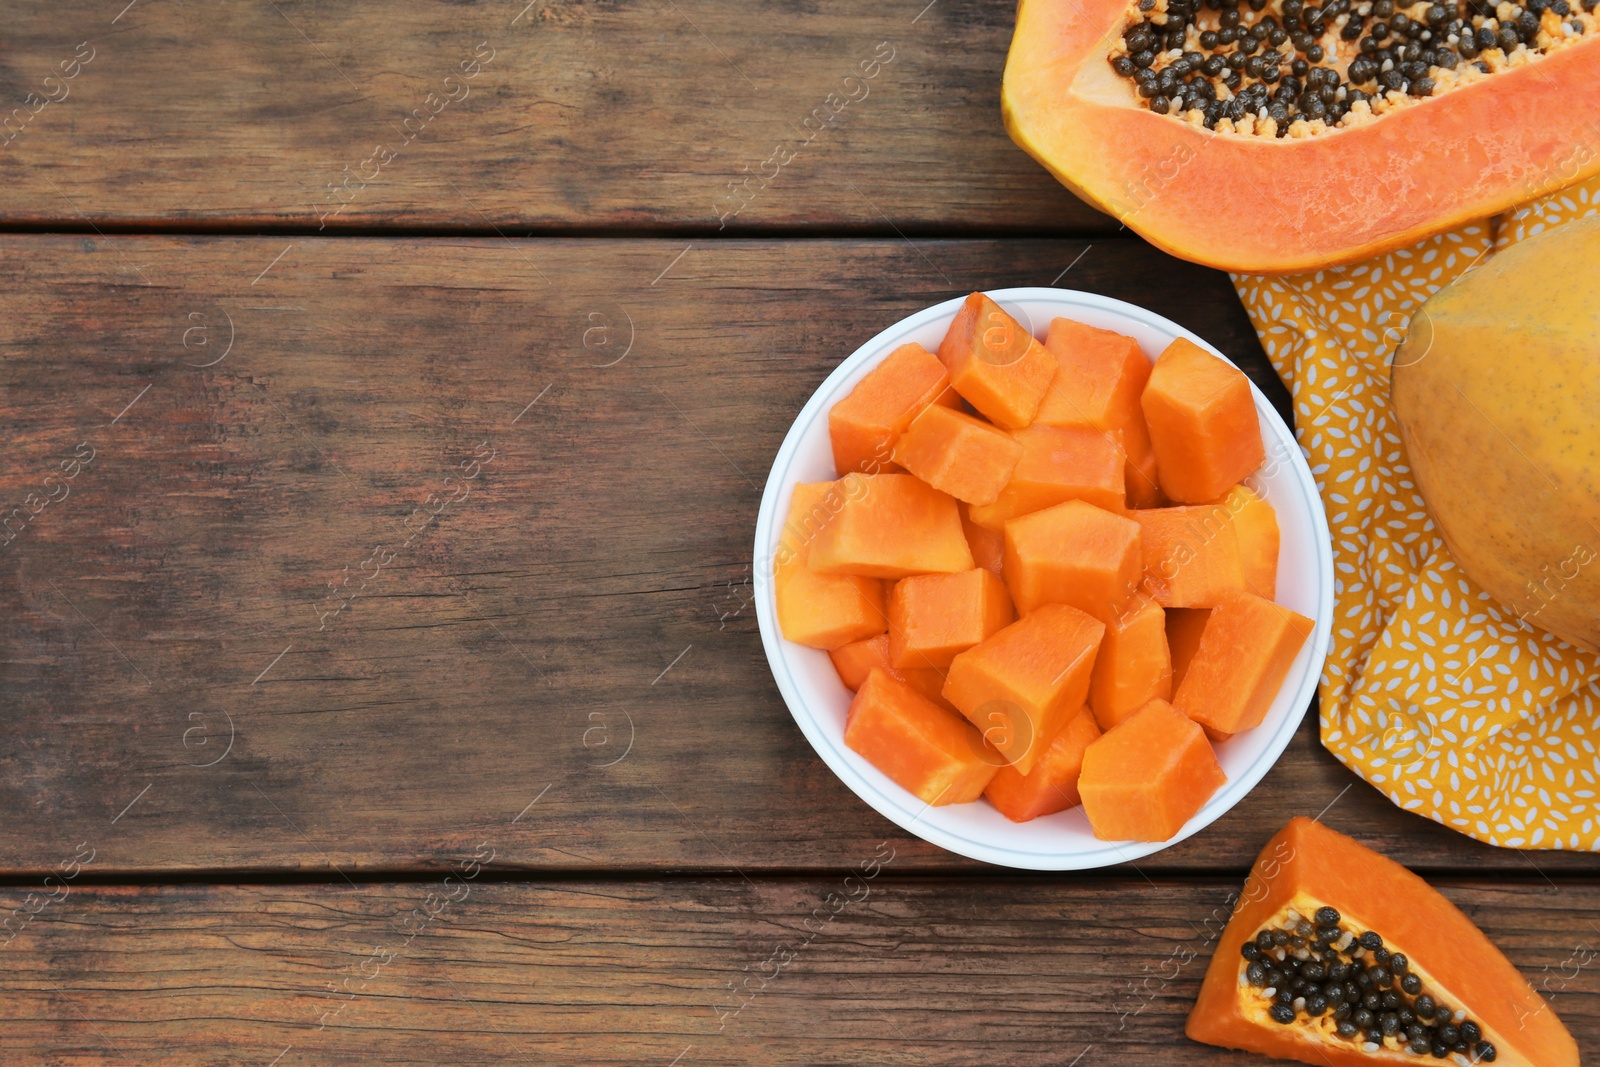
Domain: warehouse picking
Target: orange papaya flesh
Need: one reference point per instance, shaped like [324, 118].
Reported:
[1184, 627]
[958, 454]
[857, 659]
[995, 364]
[988, 546]
[930, 751]
[826, 611]
[1190, 554]
[1245, 652]
[934, 616]
[1057, 464]
[1052, 785]
[821, 610]
[1073, 553]
[1416, 170]
[1201, 414]
[1370, 901]
[1148, 776]
[1143, 480]
[1022, 685]
[1256, 524]
[1100, 378]
[854, 660]
[890, 526]
[864, 426]
[1133, 666]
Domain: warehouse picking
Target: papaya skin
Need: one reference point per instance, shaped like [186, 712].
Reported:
[1496, 388]
[1312, 202]
[1306, 865]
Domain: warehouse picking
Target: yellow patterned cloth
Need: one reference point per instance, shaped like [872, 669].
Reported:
[1433, 692]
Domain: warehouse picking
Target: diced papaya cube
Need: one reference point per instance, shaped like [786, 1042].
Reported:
[864, 426]
[857, 659]
[1057, 464]
[1073, 553]
[1101, 374]
[1256, 525]
[930, 751]
[995, 364]
[1184, 627]
[1246, 649]
[958, 454]
[825, 610]
[821, 610]
[1099, 381]
[1022, 684]
[1143, 780]
[934, 616]
[1052, 785]
[988, 546]
[1133, 667]
[1191, 554]
[891, 526]
[1202, 420]
[811, 506]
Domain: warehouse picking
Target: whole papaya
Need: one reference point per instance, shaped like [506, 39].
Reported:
[1497, 390]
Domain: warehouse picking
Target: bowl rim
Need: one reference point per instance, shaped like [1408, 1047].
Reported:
[903, 809]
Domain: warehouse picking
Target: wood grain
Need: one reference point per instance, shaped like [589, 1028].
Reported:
[358, 562]
[555, 114]
[575, 631]
[691, 972]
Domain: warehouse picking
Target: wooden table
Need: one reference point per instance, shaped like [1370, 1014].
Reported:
[385, 670]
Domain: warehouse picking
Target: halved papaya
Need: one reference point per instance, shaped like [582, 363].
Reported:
[1350, 924]
[1425, 151]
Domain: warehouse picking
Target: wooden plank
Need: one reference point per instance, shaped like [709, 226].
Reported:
[695, 973]
[554, 114]
[184, 690]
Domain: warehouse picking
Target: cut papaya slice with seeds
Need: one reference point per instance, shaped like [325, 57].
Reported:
[1336, 955]
[1348, 127]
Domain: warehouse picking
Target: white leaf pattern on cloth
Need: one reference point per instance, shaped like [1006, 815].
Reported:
[1432, 691]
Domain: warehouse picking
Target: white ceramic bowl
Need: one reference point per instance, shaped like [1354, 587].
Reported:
[818, 700]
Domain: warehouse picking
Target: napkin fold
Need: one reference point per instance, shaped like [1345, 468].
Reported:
[1433, 691]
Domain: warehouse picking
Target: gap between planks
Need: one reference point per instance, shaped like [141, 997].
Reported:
[1109, 877]
[670, 231]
